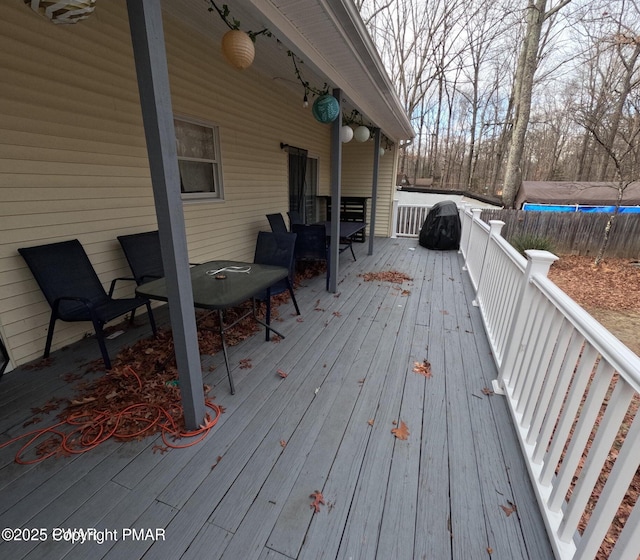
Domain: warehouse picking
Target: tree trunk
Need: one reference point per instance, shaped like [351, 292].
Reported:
[523, 85]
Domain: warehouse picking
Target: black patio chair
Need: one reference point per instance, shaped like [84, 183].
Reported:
[71, 286]
[4, 358]
[143, 254]
[294, 218]
[276, 221]
[311, 244]
[277, 249]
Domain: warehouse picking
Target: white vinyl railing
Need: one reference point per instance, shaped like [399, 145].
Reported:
[408, 219]
[573, 391]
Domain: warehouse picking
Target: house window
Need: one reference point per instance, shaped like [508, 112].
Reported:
[198, 146]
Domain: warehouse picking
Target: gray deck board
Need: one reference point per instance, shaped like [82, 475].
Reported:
[436, 495]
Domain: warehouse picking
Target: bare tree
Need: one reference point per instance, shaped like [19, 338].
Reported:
[612, 117]
[537, 14]
[417, 42]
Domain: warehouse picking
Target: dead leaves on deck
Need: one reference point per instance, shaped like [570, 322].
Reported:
[387, 276]
[318, 500]
[423, 368]
[402, 431]
[508, 510]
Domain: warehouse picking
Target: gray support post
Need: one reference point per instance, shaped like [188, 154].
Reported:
[374, 188]
[147, 37]
[336, 187]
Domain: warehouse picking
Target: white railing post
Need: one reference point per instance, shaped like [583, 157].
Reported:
[495, 228]
[538, 262]
[465, 233]
[475, 218]
[394, 220]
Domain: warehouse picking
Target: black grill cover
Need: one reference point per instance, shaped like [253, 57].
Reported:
[441, 228]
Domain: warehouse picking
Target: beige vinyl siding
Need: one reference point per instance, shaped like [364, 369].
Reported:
[357, 180]
[73, 161]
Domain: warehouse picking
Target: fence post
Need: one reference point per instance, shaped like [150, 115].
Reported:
[538, 262]
[495, 227]
[394, 219]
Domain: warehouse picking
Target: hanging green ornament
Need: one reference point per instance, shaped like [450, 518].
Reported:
[325, 108]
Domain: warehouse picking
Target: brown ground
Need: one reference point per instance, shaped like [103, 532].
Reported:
[610, 293]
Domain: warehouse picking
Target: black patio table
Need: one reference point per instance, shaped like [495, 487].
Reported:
[220, 285]
[347, 231]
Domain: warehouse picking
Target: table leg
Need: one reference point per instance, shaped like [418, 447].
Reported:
[267, 325]
[224, 350]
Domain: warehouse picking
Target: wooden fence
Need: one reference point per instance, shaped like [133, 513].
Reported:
[573, 233]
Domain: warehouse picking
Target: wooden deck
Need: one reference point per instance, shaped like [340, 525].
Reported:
[438, 495]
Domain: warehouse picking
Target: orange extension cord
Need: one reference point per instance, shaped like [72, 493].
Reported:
[88, 430]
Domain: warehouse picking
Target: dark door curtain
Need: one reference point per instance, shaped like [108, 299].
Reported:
[297, 182]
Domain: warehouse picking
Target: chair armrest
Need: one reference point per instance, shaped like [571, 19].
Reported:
[113, 284]
[86, 302]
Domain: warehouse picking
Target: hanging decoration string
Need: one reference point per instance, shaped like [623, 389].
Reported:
[235, 24]
[305, 84]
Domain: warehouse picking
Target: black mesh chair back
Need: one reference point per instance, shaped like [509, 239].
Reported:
[311, 244]
[277, 249]
[4, 358]
[72, 288]
[276, 221]
[294, 218]
[143, 254]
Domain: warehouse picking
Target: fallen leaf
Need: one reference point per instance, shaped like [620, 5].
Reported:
[509, 509]
[52, 404]
[282, 374]
[283, 443]
[401, 432]
[423, 368]
[34, 420]
[489, 550]
[160, 448]
[318, 499]
[85, 400]
[208, 422]
[370, 422]
[218, 459]
[487, 391]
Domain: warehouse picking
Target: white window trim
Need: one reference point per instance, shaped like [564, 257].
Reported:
[217, 196]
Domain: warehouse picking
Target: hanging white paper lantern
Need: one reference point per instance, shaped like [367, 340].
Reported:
[346, 134]
[381, 151]
[63, 12]
[361, 134]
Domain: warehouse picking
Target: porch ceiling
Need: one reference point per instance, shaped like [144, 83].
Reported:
[331, 40]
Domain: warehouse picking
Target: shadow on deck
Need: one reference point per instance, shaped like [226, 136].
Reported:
[456, 488]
